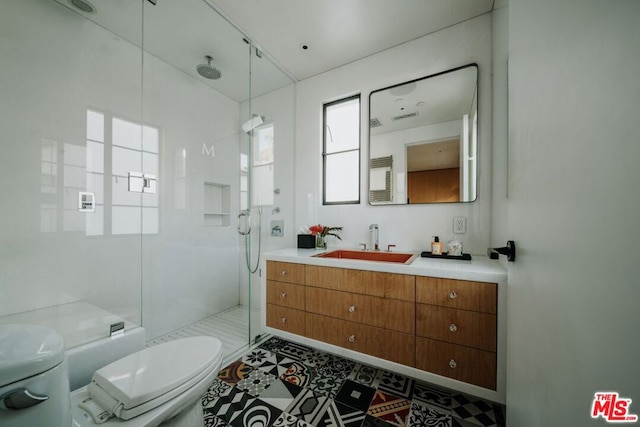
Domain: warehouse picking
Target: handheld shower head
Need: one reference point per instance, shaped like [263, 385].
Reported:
[207, 70]
[252, 123]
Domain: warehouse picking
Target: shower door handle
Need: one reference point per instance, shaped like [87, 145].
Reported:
[244, 223]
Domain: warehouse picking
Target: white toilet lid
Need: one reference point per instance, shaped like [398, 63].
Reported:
[155, 371]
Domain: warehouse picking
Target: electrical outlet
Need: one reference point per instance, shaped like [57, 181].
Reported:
[459, 225]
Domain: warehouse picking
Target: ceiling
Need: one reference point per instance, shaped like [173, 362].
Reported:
[336, 32]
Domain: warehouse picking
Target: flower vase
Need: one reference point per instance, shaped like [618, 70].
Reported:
[320, 242]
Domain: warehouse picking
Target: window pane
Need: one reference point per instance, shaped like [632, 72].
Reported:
[150, 139]
[342, 126]
[263, 145]
[342, 177]
[127, 134]
[244, 162]
[95, 157]
[263, 185]
[341, 151]
[125, 161]
[95, 126]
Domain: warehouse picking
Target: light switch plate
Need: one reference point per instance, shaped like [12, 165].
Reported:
[86, 202]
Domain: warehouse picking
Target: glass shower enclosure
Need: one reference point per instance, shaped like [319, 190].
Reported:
[125, 169]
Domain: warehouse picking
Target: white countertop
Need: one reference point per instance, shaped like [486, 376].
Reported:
[480, 268]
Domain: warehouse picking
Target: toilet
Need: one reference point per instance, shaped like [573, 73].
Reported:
[145, 388]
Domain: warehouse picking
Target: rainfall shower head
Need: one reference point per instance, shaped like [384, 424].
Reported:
[207, 70]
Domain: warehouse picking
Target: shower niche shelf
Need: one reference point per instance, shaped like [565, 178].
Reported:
[217, 204]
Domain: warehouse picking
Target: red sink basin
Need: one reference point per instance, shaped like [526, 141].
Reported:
[397, 257]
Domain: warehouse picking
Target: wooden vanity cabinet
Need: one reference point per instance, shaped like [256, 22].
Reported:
[375, 283]
[286, 272]
[286, 319]
[456, 329]
[285, 297]
[443, 326]
[459, 362]
[384, 313]
[366, 311]
[379, 342]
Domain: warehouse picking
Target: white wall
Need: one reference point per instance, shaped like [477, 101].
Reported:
[574, 97]
[499, 137]
[408, 227]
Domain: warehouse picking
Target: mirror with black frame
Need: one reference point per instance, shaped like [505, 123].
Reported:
[423, 140]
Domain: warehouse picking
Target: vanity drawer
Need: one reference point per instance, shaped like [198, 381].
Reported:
[285, 272]
[469, 328]
[387, 285]
[458, 362]
[286, 319]
[285, 294]
[462, 294]
[370, 310]
[390, 345]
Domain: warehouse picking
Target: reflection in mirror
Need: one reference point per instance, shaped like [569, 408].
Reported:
[423, 140]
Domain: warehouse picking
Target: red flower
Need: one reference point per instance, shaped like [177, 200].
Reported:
[316, 229]
[323, 231]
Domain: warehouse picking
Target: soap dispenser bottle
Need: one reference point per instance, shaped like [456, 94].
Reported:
[436, 246]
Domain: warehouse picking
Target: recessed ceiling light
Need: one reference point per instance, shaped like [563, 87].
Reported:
[83, 5]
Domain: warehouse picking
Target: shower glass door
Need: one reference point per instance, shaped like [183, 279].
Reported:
[193, 86]
[71, 88]
[199, 275]
[267, 161]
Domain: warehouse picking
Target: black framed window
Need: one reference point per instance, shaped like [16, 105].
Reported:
[341, 152]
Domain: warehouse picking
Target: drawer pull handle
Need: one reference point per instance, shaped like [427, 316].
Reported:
[283, 295]
[352, 308]
[352, 338]
[453, 295]
[452, 364]
[283, 320]
[453, 327]
[283, 273]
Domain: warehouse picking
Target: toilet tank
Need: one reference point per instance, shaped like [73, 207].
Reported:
[34, 385]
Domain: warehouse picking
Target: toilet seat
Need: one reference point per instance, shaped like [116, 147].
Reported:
[151, 377]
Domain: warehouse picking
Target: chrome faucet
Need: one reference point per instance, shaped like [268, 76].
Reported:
[373, 229]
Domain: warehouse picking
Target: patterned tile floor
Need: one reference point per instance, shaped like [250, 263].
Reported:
[281, 383]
